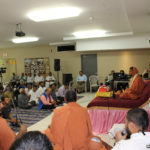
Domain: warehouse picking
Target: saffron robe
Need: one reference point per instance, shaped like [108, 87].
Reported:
[71, 128]
[7, 136]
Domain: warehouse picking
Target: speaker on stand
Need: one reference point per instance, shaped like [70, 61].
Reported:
[57, 68]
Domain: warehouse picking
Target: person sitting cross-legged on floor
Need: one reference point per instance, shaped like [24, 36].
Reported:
[53, 93]
[33, 95]
[23, 101]
[22, 84]
[81, 82]
[136, 136]
[6, 111]
[46, 100]
[9, 92]
[7, 136]
[28, 88]
[71, 127]
[41, 89]
[62, 91]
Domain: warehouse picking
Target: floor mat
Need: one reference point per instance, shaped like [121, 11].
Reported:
[30, 116]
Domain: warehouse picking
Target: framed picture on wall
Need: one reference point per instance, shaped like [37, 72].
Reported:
[36, 65]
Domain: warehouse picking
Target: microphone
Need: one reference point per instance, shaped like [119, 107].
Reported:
[124, 132]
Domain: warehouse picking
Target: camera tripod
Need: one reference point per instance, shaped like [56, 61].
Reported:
[17, 115]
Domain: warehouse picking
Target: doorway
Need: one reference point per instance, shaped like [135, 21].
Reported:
[89, 66]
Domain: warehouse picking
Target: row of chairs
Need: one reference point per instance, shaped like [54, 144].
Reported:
[93, 80]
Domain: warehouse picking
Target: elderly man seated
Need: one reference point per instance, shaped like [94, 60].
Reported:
[46, 100]
[81, 82]
[23, 101]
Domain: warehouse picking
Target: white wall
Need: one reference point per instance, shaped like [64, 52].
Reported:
[114, 43]
[71, 61]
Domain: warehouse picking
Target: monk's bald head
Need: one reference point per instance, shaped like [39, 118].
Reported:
[71, 96]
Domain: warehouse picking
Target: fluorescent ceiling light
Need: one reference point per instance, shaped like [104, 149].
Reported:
[25, 39]
[78, 35]
[54, 13]
[89, 34]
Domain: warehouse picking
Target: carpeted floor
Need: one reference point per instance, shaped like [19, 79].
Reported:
[31, 116]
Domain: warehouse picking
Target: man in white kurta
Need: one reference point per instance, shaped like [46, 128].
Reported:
[49, 80]
[30, 78]
[137, 122]
[39, 78]
[41, 89]
[33, 95]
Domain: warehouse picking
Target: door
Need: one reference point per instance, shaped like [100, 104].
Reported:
[89, 66]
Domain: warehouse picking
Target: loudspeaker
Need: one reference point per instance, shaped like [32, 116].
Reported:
[57, 64]
[67, 78]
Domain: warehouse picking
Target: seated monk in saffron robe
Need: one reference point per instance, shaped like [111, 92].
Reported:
[136, 86]
[7, 136]
[71, 127]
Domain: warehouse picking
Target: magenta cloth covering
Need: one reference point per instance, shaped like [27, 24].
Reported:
[121, 103]
[103, 120]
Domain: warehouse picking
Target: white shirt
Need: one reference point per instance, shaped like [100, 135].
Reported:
[41, 90]
[62, 91]
[30, 79]
[39, 79]
[138, 141]
[27, 91]
[81, 78]
[34, 96]
[50, 78]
